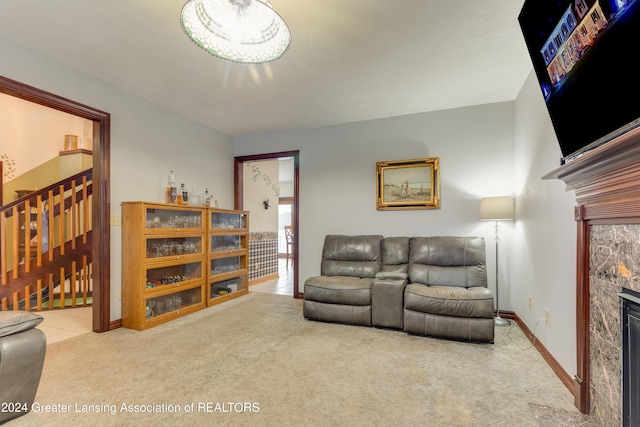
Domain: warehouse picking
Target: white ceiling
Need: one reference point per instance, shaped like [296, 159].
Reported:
[350, 60]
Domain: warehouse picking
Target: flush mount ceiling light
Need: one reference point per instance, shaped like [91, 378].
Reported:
[245, 31]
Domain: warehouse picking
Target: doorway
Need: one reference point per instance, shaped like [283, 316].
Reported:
[100, 209]
[238, 198]
[285, 219]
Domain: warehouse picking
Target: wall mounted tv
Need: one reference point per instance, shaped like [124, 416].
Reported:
[584, 54]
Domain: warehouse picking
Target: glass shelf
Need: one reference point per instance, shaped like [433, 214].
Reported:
[228, 220]
[228, 286]
[173, 218]
[173, 246]
[174, 302]
[227, 265]
[226, 243]
[173, 275]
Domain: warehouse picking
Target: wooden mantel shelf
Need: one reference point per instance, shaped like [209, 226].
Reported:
[608, 173]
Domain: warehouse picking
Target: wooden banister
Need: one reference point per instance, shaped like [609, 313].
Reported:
[47, 221]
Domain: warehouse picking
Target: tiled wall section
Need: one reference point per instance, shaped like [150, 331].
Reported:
[263, 255]
[614, 264]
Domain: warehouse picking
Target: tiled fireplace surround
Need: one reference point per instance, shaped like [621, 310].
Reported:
[607, 185]
[614, 263]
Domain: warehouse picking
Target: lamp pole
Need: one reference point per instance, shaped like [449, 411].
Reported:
[498, 321]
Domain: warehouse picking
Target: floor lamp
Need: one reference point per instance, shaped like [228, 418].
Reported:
[497, 209]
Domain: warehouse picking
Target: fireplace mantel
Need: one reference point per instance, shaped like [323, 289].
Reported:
[606, 181]
[606, 173]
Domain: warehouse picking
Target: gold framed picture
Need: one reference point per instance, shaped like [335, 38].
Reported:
[408, 184]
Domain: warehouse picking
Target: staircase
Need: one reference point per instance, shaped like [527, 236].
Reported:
[45, 247]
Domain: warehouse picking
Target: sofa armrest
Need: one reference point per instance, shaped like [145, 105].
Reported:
[387, 296]
[391, 275]
[14, 322]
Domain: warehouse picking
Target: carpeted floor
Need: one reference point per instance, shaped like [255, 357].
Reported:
[255, 361]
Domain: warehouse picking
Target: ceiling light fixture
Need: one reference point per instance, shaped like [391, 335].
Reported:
[245, 31]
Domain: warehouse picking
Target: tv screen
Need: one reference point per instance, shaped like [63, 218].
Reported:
[584, 54]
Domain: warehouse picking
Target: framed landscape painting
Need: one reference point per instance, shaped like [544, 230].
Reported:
[408, 184]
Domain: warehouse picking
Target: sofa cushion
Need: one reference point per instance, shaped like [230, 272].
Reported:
[343, 290]
[449, 300]
[356, 256]
[395, 254]
[448, 261]
[13, 322]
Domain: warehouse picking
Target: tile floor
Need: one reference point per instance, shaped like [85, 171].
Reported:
[282, 285]
[59, 325]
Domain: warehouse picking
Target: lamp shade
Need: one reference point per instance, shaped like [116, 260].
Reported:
[245, 31]
[497, 209]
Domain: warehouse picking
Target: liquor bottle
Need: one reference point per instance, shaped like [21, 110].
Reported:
[172, 190]
[185, 195]
[207, 198]
[181, 192]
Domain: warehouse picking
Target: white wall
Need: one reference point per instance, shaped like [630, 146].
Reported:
[338, 174]
[544, 260]
[260, 181]
[30, 134]
[146, 142]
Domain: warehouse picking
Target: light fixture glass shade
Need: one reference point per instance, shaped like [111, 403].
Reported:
[246, 31]
[497, 209]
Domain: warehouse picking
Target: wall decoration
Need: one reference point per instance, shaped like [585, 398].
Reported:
[408, 184]
[258, 174]
[9, 166]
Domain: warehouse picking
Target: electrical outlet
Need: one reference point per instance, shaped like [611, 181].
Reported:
[530, 302]
[547, 316]
[116, 220]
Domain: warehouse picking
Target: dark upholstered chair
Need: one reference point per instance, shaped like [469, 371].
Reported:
[22, 350]
[342, 293]
[447, 294]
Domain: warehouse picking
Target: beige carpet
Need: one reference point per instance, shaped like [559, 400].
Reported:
[255, 361]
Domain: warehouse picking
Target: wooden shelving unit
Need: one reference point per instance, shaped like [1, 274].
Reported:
[228, 256]
[178, 259]
[163, 263]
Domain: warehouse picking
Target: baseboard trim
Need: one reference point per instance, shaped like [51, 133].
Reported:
[115, 324]
[264, 279]
[564, 376]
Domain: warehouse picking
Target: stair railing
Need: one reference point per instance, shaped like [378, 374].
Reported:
[45, 242]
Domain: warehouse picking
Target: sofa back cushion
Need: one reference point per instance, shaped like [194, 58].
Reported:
[395, 254]
[357, 256]
[448, 261]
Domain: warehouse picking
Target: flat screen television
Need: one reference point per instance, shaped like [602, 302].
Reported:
[585, 55]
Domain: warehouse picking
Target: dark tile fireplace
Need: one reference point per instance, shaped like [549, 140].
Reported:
[614, 268]
[606, 181]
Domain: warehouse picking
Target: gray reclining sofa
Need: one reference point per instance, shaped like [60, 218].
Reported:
[433, 286]
[22, 351]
